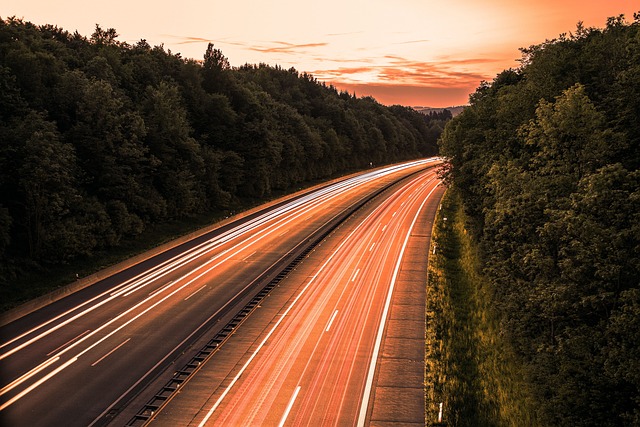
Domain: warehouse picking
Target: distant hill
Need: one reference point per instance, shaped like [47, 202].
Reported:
[454, 110]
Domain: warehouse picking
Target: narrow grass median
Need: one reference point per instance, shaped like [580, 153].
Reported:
[472, 377]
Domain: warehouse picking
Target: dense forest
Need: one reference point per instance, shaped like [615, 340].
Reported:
[100, 139]
[546, 160]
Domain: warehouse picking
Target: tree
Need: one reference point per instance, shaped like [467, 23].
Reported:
[181, 165]
[144, 137]
[569, 137]
[104, 37]
[47, 187]
[546, 159]
[214, 68]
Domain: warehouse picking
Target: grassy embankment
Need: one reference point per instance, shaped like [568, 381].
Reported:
[470, 367]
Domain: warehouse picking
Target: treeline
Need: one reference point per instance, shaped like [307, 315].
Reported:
[547, 160]
[100, 139]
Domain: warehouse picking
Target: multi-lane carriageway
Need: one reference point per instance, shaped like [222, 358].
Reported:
[308, 353]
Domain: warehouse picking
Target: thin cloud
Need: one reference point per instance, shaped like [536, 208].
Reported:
[347, 70]
[430, 75]
[398, 70]
[187, 40]
[389, 69]
[408, 94]
[193, 39]
[414, 41]
[344, 34]
[346, 61]
[396, 58]
[285, 47]
[471, 61]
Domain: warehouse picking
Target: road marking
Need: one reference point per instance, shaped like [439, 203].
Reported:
[384, 228]
[137, 283]
[273, 329]
[159, 290]
[170, 265]
[110, 353]
[372, 245]
[335, 313]
[364, 407]
[68, 342]
[249, 256]
[289, 406]
[193, 293]
[394, 214]
[353, 279]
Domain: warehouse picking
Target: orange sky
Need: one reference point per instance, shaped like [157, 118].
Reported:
[409, 52]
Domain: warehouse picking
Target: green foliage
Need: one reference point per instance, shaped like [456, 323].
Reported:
[471, 367]
[102, 140]
[547, 161]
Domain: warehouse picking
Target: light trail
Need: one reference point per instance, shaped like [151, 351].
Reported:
[247, 234]
[273, 329]
[28, 375]
[35, 385]
[169, 265]
[362, 417]
[358, 245]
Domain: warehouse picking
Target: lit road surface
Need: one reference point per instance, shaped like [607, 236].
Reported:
[80, 360]
[314, 356]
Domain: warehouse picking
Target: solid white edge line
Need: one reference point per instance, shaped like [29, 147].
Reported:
[362, 417]
[289, 406]
[266, 338]
[253, 355]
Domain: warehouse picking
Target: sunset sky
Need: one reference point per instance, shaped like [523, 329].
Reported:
[409, 52]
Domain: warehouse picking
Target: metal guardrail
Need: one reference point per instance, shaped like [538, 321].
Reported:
[277, 273]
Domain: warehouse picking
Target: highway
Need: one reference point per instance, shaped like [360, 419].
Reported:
[85, 359]
[314, 355]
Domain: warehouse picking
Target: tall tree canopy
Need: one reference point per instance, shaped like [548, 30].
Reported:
[100, 139]
[547, 160]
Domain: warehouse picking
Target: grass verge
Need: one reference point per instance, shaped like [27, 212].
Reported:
[470, 367]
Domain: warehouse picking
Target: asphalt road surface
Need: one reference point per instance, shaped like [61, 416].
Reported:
[86, 359]
[314, 354]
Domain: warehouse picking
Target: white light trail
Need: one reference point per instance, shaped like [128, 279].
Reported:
[376, 349]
